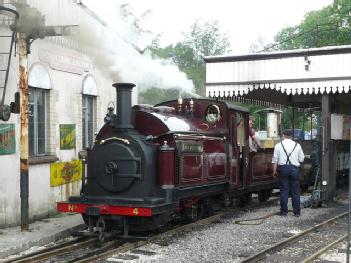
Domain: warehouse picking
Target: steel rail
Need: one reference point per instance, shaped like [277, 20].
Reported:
[262, 254]
[322, 250]
[53, 251]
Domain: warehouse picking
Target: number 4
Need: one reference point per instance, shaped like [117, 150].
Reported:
[135, 211]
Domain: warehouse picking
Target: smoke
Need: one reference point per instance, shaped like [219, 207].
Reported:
[112, 49]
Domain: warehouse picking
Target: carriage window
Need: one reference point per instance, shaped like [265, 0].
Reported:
[240, 130]
[213, 114]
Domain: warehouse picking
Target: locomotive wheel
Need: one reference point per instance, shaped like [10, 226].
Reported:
[206, 208]
[194, 213]
[243, 200]
[264, 195]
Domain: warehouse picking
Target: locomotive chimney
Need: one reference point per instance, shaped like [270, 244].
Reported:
[124, 104]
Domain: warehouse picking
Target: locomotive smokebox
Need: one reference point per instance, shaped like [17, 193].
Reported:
[124, 104]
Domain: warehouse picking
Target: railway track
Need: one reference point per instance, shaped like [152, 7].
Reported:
[71, 251]
[91, 250]
[56, 250]
[179, 229]
[305, 246]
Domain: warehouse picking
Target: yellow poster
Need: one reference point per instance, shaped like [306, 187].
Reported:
[65, 172]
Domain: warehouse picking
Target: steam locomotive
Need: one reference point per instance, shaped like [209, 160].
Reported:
[178, 159]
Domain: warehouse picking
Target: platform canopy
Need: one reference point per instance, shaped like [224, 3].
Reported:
[289, 78]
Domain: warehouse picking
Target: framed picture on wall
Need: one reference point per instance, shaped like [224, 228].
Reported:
[67, 136]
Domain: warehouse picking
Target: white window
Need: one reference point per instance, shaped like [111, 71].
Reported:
[38, 105]
[89, 110]
[88, 120]
[39, 87]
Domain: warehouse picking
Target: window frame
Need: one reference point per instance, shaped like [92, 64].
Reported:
[90, 101]
[45, 93]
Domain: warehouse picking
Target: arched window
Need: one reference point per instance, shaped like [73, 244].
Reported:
[39, 85]
[89, 110]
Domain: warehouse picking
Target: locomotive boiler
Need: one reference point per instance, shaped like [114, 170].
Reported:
[179, 159]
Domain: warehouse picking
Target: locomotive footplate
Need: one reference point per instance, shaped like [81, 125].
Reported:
[106, 209]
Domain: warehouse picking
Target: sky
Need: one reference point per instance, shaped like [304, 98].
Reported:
[244, 21]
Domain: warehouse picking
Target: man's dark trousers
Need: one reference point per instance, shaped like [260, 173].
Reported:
[289, 182]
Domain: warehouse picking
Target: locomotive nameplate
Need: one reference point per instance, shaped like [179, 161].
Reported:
[190, 147]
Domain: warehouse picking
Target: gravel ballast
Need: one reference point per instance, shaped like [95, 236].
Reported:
[227, 241]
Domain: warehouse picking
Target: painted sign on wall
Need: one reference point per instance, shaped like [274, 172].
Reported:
[67, 136]
[65, 61]
[65, 172]
[7, 139]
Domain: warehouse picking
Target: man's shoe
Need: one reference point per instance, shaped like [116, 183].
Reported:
[296, 215]
[281, 214]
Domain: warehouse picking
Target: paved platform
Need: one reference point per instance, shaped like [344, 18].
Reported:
[13, 241]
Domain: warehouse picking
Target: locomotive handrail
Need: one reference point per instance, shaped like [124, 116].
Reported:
[198, 136]
[187, 134]
[115, 138]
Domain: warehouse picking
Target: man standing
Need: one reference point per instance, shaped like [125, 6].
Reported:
[253, 137]
[286, 161]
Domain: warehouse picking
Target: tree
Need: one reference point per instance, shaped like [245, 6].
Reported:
[137, 34]
[328, 26]
[206, 40]
[155, 95]
[203, 39]
[260, 45]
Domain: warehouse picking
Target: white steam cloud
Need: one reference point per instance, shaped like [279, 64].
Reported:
[112, 49]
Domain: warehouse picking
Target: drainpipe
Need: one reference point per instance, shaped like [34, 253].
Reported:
[24, 147]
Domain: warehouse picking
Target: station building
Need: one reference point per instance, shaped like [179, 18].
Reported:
[315, 79]
[69, 92]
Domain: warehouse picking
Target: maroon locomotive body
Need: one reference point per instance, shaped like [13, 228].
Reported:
[181, 158]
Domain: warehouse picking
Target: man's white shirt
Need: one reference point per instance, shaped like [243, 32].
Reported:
[279, 156]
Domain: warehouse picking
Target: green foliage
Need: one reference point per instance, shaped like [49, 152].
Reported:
[325, 27]
[155, 95]
[201, 40]
[328, 26]
[302, 119]
[127, 13]
[206, 40]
